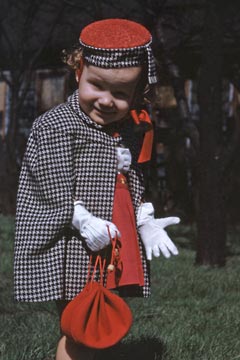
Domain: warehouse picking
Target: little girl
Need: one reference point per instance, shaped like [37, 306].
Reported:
[81, 178]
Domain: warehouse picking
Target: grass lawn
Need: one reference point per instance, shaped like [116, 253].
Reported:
[193, 313]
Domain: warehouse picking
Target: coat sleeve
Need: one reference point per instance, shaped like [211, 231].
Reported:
[46, 189]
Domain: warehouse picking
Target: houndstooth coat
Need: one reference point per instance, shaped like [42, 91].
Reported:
[68, 157]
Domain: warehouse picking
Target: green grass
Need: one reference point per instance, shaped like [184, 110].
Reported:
[193, 313]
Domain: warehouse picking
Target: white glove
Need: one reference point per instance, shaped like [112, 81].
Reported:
[154, 237]
[94, 230]
[124, 159]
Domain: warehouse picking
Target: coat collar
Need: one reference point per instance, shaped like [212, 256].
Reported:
[115, 128]
[73, 101]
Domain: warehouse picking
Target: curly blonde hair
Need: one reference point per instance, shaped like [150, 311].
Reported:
[73, 57]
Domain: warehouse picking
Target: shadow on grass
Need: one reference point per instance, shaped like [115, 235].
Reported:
[142, 349]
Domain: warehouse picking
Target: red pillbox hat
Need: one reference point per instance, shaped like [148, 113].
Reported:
[118, 43]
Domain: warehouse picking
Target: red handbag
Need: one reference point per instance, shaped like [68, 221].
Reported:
[96, 317]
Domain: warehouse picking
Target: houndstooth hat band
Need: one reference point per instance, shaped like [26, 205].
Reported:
[118, 43]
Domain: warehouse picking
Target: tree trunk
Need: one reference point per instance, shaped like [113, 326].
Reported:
[211, 220]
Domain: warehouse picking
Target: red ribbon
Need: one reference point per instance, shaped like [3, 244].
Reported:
[146, 151]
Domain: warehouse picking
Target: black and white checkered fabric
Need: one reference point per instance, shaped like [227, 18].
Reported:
[68, 157]
[120, 58]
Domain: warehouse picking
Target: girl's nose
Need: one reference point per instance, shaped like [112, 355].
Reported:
[106, 99]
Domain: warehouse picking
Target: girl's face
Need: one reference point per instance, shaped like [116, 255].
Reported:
[106, 95]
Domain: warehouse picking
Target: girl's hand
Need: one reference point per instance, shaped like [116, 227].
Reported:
[94, 230]
[155, 239]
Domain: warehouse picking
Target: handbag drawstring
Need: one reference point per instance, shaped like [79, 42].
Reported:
[115, 261]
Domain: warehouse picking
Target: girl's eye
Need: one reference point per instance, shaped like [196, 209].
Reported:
[97, 86]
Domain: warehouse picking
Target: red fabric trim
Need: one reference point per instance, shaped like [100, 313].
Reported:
[146, 151]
